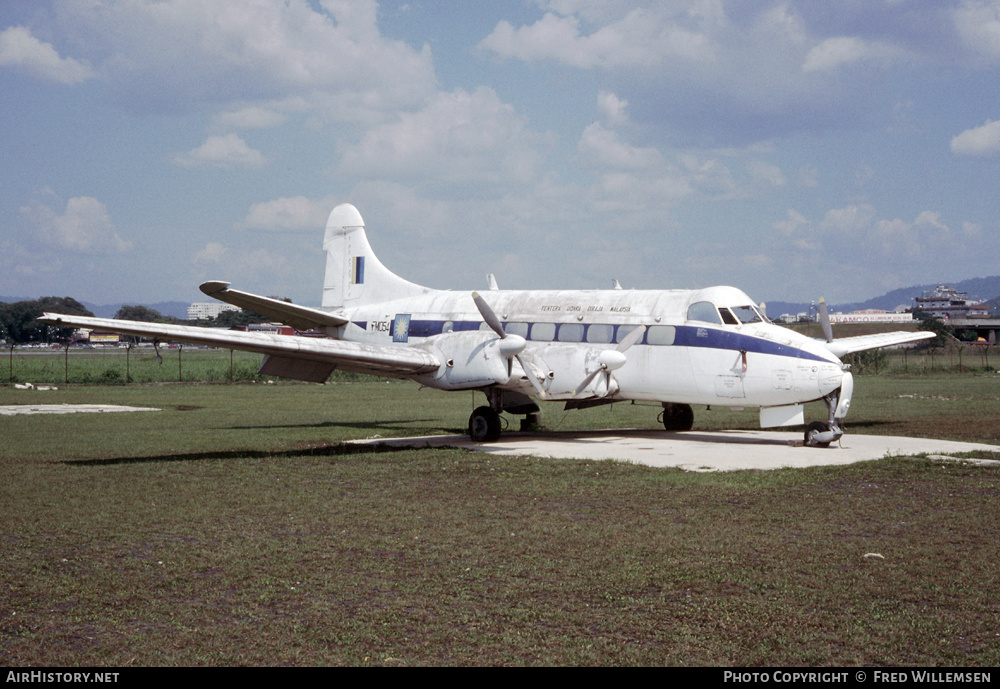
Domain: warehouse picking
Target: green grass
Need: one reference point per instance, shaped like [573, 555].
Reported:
[232, 528]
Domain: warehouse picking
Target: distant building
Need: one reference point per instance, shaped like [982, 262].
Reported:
[947, 303]
[204, 310]
[871, 316]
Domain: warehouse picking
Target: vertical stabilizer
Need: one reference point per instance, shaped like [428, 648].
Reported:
[354, 275]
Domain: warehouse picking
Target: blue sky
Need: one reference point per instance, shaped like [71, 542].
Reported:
[793, 149]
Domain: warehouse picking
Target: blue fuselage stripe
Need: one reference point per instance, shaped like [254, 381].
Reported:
[705, 336]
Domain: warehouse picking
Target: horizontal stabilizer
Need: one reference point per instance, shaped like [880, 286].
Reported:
[299, 317]
[848, 345]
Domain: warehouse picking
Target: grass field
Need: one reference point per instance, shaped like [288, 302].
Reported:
[232, 528]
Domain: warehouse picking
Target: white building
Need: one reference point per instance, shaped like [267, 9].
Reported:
[201, 310]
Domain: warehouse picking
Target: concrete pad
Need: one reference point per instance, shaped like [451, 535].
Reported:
[696, 450]
[12, 409]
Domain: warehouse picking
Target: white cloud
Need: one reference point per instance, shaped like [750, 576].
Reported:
[228, 152]
[642, 37]
[612, 108]
[174, 55]
[766, 173]
[978, 141]
[978, 25]
[21, 50]
[211, 253]
[297, 213]
[843, 50]
[602, 147]
[85, 227]
[251, 117]
[461, 137]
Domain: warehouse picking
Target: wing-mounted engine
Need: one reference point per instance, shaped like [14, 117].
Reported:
[470, 359]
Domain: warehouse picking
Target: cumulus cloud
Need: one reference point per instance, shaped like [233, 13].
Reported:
[211, 253]
[602, 147]
[843, 50]
[85, 227]
[228, 152]
[176, 55]
[978, 141]
[296, 213]
[977, 22]
[639, 38]
[250, 117]
[21, 50]
[464, 137]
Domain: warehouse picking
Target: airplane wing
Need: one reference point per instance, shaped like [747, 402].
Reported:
[299, 317]
[290, 356]
[848, 345]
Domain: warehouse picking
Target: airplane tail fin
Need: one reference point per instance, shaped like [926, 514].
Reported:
[354, 275]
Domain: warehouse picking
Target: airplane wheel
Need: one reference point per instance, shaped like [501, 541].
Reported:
[813, 429]
[678, 417]
[484, 425]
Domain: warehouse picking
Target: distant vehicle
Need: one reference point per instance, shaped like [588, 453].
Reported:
[680, 348]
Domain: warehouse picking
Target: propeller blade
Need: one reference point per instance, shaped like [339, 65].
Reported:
[586, 381]
[824, 320]
[532, 378]
[488, 315]
[631, 338]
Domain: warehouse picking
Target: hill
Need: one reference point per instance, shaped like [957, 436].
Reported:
[986, 289]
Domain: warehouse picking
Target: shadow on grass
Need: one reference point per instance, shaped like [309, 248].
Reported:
[358, 425]
[338, 450]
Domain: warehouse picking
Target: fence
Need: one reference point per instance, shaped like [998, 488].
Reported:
[115, 365]
[134, 365]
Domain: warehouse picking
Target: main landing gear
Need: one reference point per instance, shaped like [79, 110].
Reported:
[677, 417]
[484, 425]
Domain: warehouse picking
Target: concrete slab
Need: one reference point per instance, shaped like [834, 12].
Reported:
[696, 450]
[13, 409]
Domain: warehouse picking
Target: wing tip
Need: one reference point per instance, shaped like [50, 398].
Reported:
[213, 287]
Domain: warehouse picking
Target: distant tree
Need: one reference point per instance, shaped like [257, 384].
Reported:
[19, 323]
[139, 313]
[943, 331]
[233, 319]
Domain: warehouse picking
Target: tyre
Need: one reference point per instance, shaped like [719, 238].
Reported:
[813, 429]
[484, 425]
[678, 417]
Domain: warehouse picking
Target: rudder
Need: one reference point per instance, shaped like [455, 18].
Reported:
[354, 276]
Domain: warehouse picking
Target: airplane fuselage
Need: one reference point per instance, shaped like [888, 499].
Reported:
[708, 346]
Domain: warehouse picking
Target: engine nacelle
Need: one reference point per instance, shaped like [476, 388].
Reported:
[571, 364]
[470, 359]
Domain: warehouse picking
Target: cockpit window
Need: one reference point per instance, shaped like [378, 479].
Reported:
[703, 311]
[748, 314]
[727, 317]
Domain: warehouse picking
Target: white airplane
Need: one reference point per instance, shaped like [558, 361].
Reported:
[709, 346]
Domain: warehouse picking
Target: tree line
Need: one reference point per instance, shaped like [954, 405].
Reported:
[19, 322]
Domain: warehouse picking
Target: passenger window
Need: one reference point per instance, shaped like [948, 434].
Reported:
[660, 335]
[449, 326]
[516, 329]
[703, 311]
[599, 333]
[624, 330]
[571, 332]
[543, 332]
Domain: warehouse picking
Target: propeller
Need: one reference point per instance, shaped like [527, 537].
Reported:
[511, 346]
[824, 320]
[611, 359]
